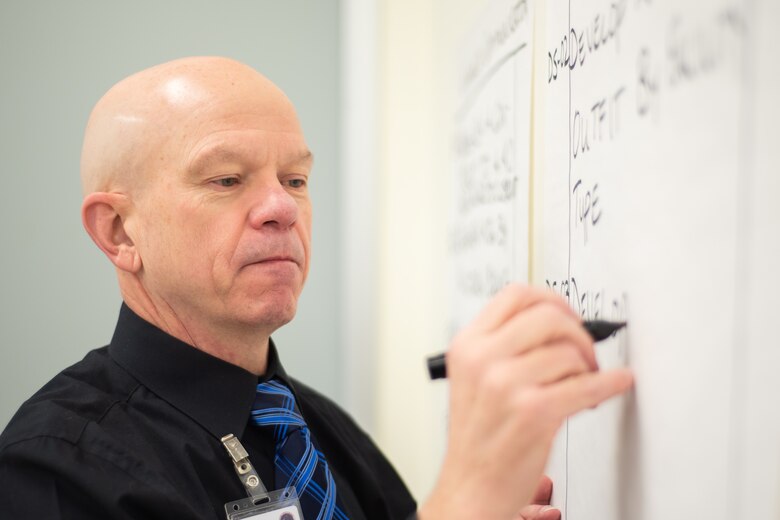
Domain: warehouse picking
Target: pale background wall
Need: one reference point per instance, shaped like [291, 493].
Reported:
[416, 80]
[59, 296]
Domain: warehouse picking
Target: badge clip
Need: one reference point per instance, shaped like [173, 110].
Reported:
[244, 469]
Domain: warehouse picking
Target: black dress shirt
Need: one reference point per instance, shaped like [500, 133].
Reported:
[133, 432]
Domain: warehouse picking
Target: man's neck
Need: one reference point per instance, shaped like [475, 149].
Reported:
[245, 348]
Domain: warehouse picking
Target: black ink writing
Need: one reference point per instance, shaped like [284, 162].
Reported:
[576, 45]
[490, 230]
[602, 122]
[587, 210]
[483, 281]
[591, 304]
[494, 40]
[648, 87]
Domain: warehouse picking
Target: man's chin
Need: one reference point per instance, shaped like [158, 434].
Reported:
[269, 314]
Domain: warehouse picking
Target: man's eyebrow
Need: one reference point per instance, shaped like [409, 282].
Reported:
[216, 154]
[221, 153]
[304, 156]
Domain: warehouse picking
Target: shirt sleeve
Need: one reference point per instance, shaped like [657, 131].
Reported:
[48, 478]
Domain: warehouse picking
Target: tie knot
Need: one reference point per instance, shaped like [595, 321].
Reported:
[275, 407]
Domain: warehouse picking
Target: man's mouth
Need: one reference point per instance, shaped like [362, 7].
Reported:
[278, 259]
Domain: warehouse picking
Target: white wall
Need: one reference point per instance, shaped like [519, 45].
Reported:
[58, 293]
[359, 213]
[415, 85]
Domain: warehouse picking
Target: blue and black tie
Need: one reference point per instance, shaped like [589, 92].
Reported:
[299, 463]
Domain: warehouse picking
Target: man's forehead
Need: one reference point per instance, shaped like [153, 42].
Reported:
[232, 148]
[166, 111]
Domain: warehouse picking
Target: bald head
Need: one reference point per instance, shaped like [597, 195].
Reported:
[195, 176]
[142, 120]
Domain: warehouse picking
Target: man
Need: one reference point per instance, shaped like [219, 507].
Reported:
[195, 179]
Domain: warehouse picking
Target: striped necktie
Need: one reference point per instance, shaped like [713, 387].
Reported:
[299, 463]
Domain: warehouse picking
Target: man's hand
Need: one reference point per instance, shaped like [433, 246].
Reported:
[516, 372]
[540, 507]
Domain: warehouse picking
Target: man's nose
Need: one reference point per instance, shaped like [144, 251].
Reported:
[273, 206]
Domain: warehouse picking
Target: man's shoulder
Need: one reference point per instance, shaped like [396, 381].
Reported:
[312, 400]
[308, 393]
[62, 408]
[329, 419]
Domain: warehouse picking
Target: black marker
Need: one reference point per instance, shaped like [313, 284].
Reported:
[598, 329]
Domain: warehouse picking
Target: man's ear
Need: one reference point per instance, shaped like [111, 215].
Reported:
[103, 217]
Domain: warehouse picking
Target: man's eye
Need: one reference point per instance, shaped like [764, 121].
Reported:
[226, 182]
[296, 183]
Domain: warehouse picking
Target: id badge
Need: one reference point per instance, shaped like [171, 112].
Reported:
[261, 505]
[276, 505]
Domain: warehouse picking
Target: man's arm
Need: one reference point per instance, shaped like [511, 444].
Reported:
[47, 477]
[516, 372]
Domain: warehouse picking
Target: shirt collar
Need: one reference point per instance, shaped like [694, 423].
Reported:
[216, 394]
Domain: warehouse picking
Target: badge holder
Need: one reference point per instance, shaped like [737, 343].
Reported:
[262, 504]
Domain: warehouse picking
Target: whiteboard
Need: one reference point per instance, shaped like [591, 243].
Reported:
[652, 175]
[490, 219]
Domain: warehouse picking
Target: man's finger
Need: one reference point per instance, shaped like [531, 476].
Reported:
[509, 301]
[536, 512]
[543, 491]
[542, 324]
[588, 390]
[544, 365]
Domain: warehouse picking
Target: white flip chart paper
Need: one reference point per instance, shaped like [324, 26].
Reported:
[639, 105]
[490, 223]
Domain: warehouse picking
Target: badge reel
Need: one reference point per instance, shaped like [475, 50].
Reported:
[262, 504]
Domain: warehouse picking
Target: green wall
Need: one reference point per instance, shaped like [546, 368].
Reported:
[58, 294]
